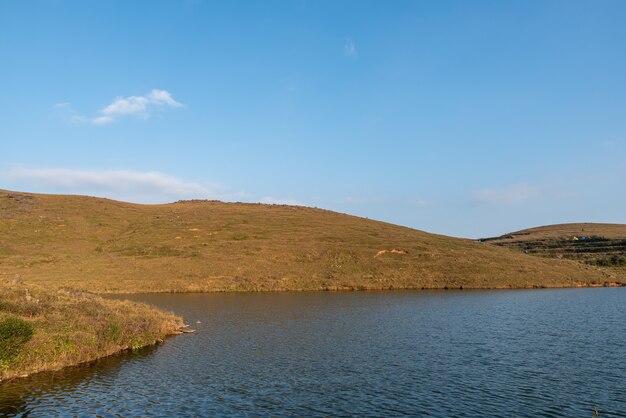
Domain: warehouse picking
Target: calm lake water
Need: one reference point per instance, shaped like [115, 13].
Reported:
[456, 353]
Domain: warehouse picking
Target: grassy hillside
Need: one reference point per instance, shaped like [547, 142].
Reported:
[101, 245]
[602, 245]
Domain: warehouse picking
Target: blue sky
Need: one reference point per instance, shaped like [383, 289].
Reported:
[466, 118]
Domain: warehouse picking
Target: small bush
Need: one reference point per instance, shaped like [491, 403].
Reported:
[136, 345]
[112, 331]
[14, 333]
[613, 261]
[21, 308]
[64, 345]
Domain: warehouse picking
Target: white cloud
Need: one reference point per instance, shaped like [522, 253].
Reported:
[141, 106]
[133, 105]
[137, 106]
[102, 120]
[349, 47]
[162, 97]
[508, 195]
[137, 186]
[126, 185]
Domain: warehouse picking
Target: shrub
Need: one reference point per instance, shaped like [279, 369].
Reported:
[22, 308]
[613, 261]
[112, 331]
[14, 333]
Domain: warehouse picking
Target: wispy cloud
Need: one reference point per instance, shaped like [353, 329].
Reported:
[102, 120]
[127, 185]
[610, 143]
[141, 106]
[131, 106]
[67, 112]
[513, 194]
[139, 186]
[349, 47]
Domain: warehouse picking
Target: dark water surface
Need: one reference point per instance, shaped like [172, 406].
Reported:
[457, 353]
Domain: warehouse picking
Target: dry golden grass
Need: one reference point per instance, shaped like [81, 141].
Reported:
[74, 327]
[106, 246]
[566, 231]
[601, 245]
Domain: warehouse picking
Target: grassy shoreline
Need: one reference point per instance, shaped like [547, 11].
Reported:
[74, 327]
[195, 288]
[69, 328]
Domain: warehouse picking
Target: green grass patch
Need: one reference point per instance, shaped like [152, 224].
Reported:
[14, 333]
[112, 331]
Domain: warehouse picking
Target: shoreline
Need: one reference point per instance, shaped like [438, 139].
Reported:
[179, 327]
[121, 351]
[369, 289]
[50, 329]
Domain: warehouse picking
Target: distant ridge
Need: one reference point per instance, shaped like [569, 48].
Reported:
[598, 244]
[106, 246]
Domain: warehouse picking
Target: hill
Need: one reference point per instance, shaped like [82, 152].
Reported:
[602, 245]
[106, 246]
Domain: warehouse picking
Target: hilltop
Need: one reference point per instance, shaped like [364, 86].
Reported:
[106, 246]
[602, 245]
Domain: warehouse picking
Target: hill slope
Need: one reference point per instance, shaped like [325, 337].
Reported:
[107, 246]
[602, 245]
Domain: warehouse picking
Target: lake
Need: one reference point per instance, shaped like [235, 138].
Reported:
[549, 353]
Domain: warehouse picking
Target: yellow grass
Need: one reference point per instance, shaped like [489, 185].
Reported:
[567, 231]
[601, 245]
[106, 246]
[74, 327]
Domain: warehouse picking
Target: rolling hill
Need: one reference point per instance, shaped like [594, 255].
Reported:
[602, 245]
[106, 246]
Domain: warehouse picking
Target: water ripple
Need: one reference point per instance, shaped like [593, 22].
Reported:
[552, 353]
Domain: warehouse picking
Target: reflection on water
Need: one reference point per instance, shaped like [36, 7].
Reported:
[45, 389]
[479, 353]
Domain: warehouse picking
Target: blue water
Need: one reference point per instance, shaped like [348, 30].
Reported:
[528, 353]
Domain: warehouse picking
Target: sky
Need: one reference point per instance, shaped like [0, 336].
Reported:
[464, 118]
